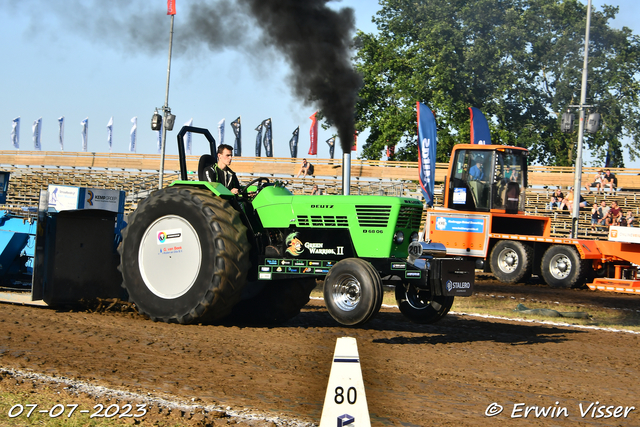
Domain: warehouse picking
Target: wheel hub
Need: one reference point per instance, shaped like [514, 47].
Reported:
[560, 266]
[346, 292]
[508, 260]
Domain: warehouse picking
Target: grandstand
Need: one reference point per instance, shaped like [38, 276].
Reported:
[138, 174]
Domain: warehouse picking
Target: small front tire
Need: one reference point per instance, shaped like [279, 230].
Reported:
[419, 306]
[352, 291]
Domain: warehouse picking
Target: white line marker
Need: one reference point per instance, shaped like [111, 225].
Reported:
[345, 403]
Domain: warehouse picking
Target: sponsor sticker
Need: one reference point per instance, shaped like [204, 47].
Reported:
[265, 268]
[459, 196]
[170, 236]
[398, 265]
[265, 276]
[457, 285]
[460, 224]
[413, 274]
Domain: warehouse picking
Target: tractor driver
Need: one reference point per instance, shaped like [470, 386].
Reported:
[476, 173]
[221, 172]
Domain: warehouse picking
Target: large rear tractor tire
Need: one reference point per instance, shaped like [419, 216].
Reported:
[419, 306]
[277, 302]
[511, 261]
[562, 267]
[184, 256]
[352, 291]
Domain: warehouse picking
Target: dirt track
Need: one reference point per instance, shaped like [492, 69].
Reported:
[443, 374]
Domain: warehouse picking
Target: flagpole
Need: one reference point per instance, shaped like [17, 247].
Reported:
[166, 110]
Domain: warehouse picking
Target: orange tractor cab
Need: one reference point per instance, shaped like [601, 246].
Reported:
[483, 218]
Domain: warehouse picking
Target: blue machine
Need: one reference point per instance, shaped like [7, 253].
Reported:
[63, 251]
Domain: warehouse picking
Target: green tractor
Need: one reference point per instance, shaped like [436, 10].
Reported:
[195, 252]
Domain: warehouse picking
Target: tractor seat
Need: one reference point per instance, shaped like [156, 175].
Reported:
[205, 161]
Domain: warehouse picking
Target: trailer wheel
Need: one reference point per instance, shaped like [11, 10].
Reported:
[562, 267]
[419, 306]
[184, 256]
[352, 291]
[277, 302]
[511, 261]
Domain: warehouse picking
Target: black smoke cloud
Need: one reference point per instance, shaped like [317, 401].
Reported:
[315, 39]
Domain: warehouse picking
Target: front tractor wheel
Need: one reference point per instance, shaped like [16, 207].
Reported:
[511, 261]
[419, 306]
[184, 256]
[352, 291]
[562, 267]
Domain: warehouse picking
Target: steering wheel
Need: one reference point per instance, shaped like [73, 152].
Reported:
[261, 181]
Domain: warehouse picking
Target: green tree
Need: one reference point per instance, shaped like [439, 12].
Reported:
[519, 61]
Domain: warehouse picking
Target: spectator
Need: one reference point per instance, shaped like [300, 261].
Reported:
[615, 213]
[316, 191]
[567, 202]
[512, 174]
[629, 219]
[556, 199]
[597, 182]
[305, 169]
[603, 211]
[609, 179]
[595, 217]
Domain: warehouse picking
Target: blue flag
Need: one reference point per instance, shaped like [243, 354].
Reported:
[237, 131]
[332, 145]
[268, 140]
[426, 151]
[259, 140]
[479, 127]
[293, 143]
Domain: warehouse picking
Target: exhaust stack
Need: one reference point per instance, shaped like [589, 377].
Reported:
[346, 173]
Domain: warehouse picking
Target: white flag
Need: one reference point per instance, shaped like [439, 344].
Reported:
[110, 133]
[61, 132]
[132, 142]
[187, 137]
[160, 137]
[85, 133]
[221, 131]
[37, 130]
[15, 133]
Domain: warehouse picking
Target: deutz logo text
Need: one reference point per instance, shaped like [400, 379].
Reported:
[322, 206]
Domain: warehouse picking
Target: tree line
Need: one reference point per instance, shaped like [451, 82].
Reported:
[519, 61]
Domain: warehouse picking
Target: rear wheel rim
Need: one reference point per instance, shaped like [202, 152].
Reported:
[560, 266]
[508, 260]
[346, 292]
[170, 264]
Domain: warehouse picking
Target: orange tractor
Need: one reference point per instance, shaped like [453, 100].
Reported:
[483, 218]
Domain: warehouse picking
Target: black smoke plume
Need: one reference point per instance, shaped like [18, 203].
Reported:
[316, 41]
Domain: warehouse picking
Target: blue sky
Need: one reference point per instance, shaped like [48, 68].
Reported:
[59, 62]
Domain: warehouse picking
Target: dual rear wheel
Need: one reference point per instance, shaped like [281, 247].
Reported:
[561, 266]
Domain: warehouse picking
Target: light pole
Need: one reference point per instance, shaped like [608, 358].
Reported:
[577, 185]
[168, 118]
